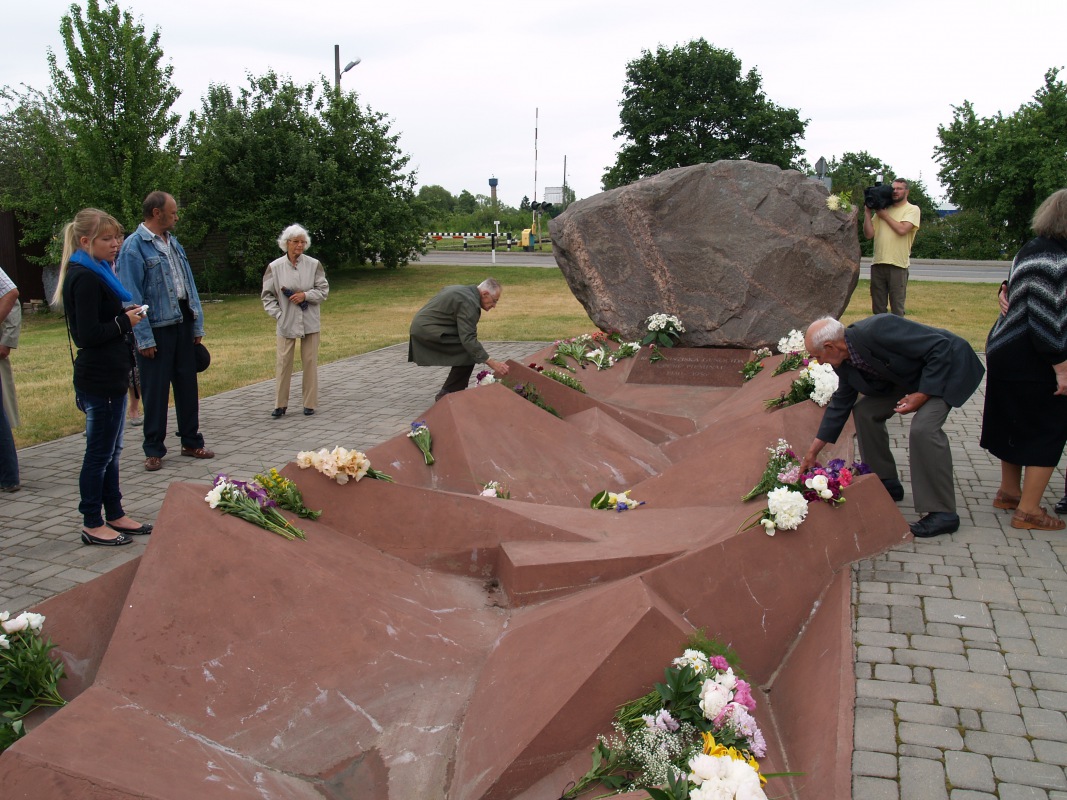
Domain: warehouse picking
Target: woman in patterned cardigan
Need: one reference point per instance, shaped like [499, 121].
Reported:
[1025, 419]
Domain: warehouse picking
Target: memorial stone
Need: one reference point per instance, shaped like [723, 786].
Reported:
[740, 252]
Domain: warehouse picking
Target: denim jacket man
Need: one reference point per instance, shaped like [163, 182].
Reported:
[155, 270]
[143, 270]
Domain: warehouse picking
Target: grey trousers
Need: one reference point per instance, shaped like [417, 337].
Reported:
[889, 287]
[932, 485]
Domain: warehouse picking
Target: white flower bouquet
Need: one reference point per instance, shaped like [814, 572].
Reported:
[252, 504]
[816, 382]
[420, 435]
[340, 464]
[663, 330]
[29, 677]
[792, 347]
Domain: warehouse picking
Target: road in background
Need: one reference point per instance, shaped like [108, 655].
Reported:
[921, 269]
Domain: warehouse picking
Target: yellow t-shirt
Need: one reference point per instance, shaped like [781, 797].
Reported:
[889, 246]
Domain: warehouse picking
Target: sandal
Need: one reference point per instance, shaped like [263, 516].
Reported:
[1005, 501]
[1038, 521]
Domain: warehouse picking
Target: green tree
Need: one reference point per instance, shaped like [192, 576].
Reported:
[1005, 166]
[279, 153]
[363, 201]
[249, 164]
[690, 105]
[437, 203]
[101, 135]
[967, 234]
[116, 97]
[33, 141]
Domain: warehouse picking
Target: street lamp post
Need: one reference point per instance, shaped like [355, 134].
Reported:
[337, 71]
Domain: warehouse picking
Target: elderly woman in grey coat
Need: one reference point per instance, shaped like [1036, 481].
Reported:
[293, 288]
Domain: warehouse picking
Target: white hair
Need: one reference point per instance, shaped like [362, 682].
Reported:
[823, 330]
[491, 285]
[294, 231]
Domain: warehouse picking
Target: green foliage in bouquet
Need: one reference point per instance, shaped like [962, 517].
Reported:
[567, 380]
[29, 677]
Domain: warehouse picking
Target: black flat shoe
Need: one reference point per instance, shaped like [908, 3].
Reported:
[893, 486]
[308, 412]
[122, 538]
[1061, 506]
[144, 530]
[278, 412]
[935, 523]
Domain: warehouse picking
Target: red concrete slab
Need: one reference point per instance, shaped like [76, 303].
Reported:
[771, 583]
[553, 681]
[671, 403]
[448, 531]
[223, 635]
[626, 543]
[823, 657]
[380, 657]
[539, 456]
[105, 747]
[81, 622]
[655, 424]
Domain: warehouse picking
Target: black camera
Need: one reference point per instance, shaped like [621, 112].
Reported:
[878, 196]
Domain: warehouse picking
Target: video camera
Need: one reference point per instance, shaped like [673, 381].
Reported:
[878, 196]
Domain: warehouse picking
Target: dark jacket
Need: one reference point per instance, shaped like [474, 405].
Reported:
[908, 357]
[98, 327]
[444, 332]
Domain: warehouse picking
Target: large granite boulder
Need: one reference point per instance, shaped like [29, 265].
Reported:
[741, 252]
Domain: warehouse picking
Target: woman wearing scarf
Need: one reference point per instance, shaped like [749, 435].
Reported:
[98, 318]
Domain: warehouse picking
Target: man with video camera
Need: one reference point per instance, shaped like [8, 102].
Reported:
[893, 226]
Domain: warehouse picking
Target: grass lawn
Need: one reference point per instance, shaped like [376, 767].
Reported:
[370, 308]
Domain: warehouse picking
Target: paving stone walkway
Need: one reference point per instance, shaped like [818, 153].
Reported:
[961, 641]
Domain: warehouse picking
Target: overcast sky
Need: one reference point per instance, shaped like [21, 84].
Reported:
[461, 81]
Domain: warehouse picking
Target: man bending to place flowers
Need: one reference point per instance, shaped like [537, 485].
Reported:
[890, 365]
[444, 333]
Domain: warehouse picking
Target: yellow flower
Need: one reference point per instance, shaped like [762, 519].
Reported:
[713, 748]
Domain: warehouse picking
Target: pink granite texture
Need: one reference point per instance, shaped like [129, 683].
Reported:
[426, 642]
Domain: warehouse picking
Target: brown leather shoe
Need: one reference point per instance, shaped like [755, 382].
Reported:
[197, 452]
[153, 464]
[1005, 501]
[1039, 521]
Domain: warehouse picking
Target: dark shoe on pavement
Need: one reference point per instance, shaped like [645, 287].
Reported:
[153, 464]
[1061, 506]
[308, 412]
[935, 523]
[1038, 521]
[895, 489]
[122, 538]
[144, 530]
[10, 489]
[278, 412]
[197, 452]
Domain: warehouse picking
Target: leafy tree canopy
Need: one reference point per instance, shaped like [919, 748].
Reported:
[692, 104]
[102, 136]
[1005, 166]
[278, 153]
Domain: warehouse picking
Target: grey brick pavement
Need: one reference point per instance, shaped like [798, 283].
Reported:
[961, 641]
[961, 648]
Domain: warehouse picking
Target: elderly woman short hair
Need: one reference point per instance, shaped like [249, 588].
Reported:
[294, 286]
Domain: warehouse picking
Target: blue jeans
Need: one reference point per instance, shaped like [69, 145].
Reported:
[9, 462]
[105, 418]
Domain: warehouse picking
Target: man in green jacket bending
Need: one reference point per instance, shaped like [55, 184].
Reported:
[444, 333]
